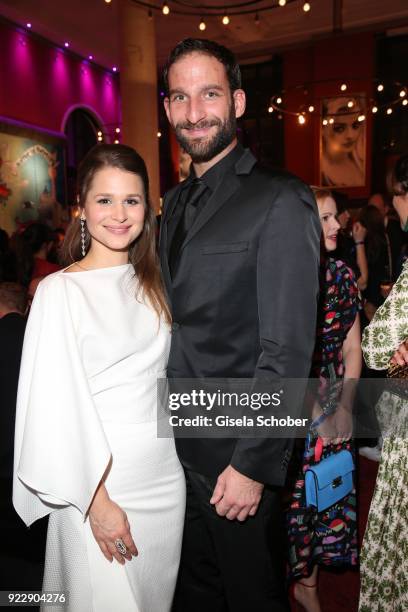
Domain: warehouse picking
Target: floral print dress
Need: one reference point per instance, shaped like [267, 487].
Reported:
[328, 537]
[384, 554]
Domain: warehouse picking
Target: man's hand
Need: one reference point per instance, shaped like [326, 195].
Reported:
[236, 496]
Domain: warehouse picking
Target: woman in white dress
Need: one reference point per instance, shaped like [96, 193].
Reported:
[86, 445]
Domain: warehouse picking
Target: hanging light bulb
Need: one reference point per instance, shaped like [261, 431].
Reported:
[306, 7]
[389, 111]
[350, 103]
[99, 138]
[325, 122]
[116, 141]
[159, 134]
[270, 109]
[282, 2]
[117, 130]
[403, 93]
[380, 87]
[225, 20]
[29, 25]
[374, 109]
[278, 100]
[301, 119]
[165, 9]
[99, 134]
[311, 109]
[404, 102]
[331, 120]
[202, 25]
[361, 118]
[108, 1]
[343, 87]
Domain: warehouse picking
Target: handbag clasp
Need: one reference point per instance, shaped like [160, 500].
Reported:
[337, 482]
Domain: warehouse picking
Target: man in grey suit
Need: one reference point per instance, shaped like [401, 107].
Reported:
[239, 250]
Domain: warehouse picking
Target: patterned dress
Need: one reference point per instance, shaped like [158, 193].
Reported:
[328, 537]
[384, 555]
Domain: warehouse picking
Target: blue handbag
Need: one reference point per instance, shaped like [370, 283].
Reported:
[328, 481]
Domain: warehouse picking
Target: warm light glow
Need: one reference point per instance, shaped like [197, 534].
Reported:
[404, 102]
[403, 93]
[361, 118]
[282, 2]
[29, 25]
[331, 120]
[374, 109]
[116, 142]
[311, 109]
[165, 9]
[114, 68]
[159, 134]
[389, 111]
[306, 7]
[202, 25]
[90, 57]
[108, 1]
[343, 87]
[380, 87]
[117, 130]
[225, 20]
[278, 100]
[99, 138]
[270, 109]
[325, 122]
[66, 44]
[99, 134]
[301, 119]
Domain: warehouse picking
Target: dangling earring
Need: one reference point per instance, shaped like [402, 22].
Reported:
[82, 221]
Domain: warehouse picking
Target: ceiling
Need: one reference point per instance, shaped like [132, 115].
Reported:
[91, 26]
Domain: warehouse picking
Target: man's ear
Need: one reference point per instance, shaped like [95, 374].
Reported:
[239, 102]
[166, 103]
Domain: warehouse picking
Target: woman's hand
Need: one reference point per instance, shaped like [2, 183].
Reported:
[109, 523]
[359, 232]
[400, 356]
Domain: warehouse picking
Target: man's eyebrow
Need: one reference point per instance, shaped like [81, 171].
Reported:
[172, 92]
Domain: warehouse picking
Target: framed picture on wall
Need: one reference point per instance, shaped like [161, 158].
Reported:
[343, 141]
[32, 177]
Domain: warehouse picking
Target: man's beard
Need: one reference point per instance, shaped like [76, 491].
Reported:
[204, 150]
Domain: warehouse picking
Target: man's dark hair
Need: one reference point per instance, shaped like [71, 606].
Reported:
[207, 47]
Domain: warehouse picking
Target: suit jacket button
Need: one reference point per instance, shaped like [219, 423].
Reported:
[175, 326]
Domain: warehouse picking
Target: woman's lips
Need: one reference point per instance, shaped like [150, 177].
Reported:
[117, 229]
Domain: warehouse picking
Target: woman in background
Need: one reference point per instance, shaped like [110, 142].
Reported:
[327, 538]
[87, 449]
[384, 555]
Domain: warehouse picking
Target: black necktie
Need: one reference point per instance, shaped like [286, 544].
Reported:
[189, 199]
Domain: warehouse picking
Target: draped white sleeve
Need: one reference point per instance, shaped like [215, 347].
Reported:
[61, 451]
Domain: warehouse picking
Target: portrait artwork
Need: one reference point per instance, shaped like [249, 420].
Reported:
[343, 141]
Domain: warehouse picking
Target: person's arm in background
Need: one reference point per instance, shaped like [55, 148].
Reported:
[359, 234]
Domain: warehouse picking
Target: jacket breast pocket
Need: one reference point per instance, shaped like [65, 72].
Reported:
[220, 249]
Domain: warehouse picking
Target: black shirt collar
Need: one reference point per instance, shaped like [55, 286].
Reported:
[214, 175]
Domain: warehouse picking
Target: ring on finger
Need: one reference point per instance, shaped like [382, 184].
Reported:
[120, 546]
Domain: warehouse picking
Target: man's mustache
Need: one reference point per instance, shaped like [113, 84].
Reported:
[197, 126]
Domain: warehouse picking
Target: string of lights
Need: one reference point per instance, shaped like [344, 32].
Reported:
[389, 97]
[207, 11]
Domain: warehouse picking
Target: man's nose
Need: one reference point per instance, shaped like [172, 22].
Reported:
[195, 110]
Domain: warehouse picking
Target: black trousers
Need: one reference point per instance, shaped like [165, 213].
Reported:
[229, 566]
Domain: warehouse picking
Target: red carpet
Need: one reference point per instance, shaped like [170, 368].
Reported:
[339, 591]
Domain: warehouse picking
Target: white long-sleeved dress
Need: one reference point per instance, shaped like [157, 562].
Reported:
[87, 407]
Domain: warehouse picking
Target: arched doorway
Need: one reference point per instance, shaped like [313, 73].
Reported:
[81, 129]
